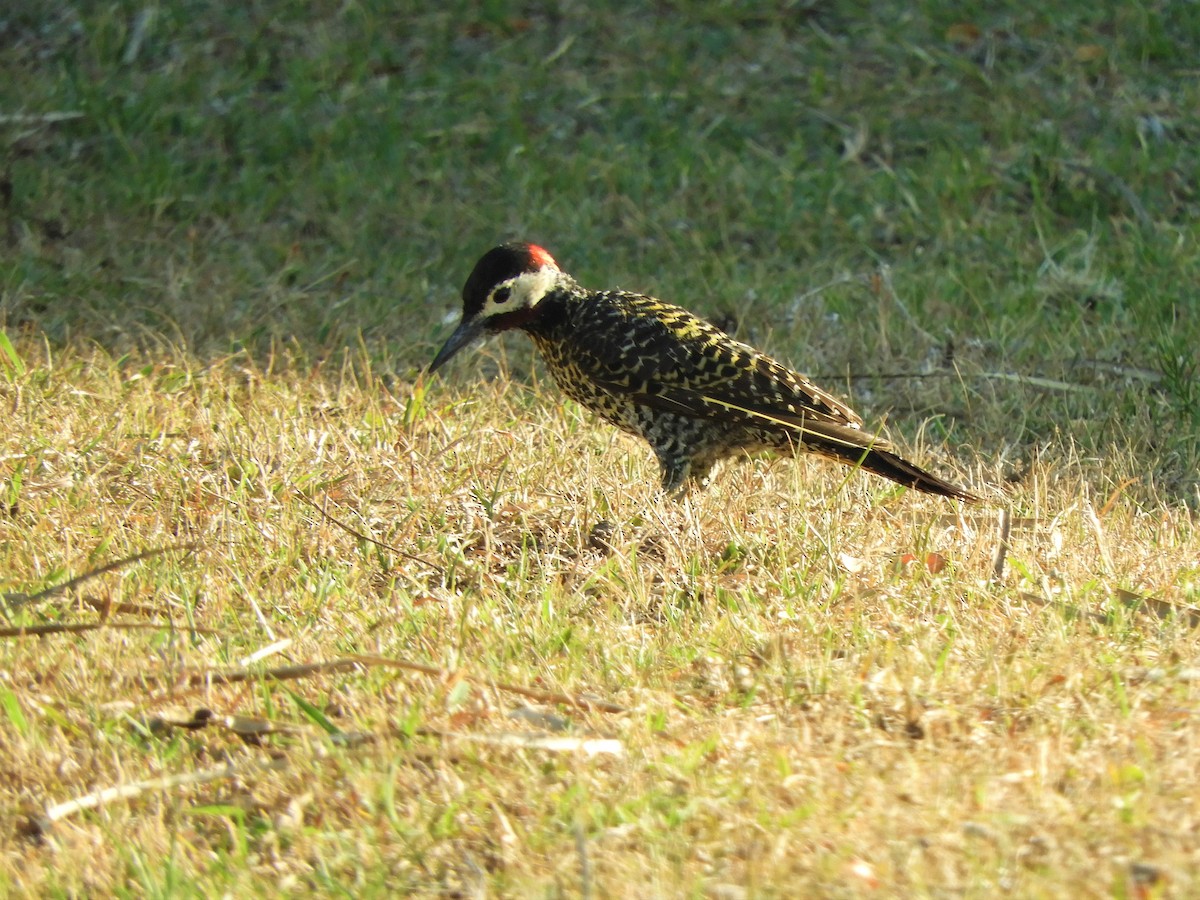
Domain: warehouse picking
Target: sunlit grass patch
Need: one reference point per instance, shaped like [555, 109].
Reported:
[345, 628]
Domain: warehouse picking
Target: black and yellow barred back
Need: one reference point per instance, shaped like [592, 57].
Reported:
[654, 369]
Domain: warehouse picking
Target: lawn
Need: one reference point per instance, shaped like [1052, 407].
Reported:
[283, 615]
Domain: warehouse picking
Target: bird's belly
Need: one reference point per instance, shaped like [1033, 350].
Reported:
[663, 430]
[619, 411]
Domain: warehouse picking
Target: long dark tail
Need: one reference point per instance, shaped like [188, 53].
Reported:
[900, 470]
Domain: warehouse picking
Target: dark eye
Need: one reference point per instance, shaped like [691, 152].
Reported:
[501, 296]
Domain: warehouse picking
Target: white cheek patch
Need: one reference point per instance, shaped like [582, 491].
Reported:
[525, 291]
[530, 288]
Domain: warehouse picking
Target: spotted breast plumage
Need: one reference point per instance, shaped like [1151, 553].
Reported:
[654, 369]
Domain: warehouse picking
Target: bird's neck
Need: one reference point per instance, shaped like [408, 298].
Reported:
[553, 311]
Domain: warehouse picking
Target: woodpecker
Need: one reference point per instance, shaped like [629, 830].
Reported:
[654, 369]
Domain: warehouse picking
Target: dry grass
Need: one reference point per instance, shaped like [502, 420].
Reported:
[807, 702]
[284, 619]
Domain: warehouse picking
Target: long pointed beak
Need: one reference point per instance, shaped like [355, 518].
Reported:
[466, 333]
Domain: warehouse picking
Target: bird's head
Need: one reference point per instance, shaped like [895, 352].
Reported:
[503, 292]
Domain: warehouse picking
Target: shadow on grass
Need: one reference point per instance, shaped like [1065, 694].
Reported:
[316, 179]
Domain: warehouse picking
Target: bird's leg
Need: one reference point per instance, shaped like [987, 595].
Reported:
[679, 477]
[675, 476]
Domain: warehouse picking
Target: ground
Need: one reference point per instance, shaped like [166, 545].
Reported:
[286, 616]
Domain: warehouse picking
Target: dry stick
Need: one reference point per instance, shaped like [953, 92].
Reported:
[282, 673]
[251, 727]
[198, 681]
[46, 118]
[946, 520]
[532, 693]
[553, 743]
[1151, 606]
[1161, 609]
[370, 540]
[287, 673]
[125, 791]
[1114, 496]
[82, 627]
[1002, 546]
[1118, 369]
[107, 608]
[1038, 381]
[1068, 609]
[18, 599]
[1052, 384]
[1101, 542]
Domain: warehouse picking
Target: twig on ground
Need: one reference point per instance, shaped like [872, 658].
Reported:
[1002, 545]
[1114, 496]
[281, 673]
[126, 791]
[541, 696]
[83, 627]
[370, 540]
[17, 599]
[554, 743]
[1053, 384]
[1101, 542]
[1160, 609]
[1067, 609]
[305, 670]
[46, 118]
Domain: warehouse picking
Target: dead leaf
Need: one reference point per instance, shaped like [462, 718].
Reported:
[963, 33]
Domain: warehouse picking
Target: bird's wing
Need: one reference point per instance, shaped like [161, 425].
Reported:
[669, 359]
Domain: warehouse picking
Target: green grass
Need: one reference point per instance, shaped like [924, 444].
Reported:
[223, 270]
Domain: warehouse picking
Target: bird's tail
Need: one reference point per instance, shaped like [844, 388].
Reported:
[873, 453]
[900, 470]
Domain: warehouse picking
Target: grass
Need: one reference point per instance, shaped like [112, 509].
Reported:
[223, 268]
